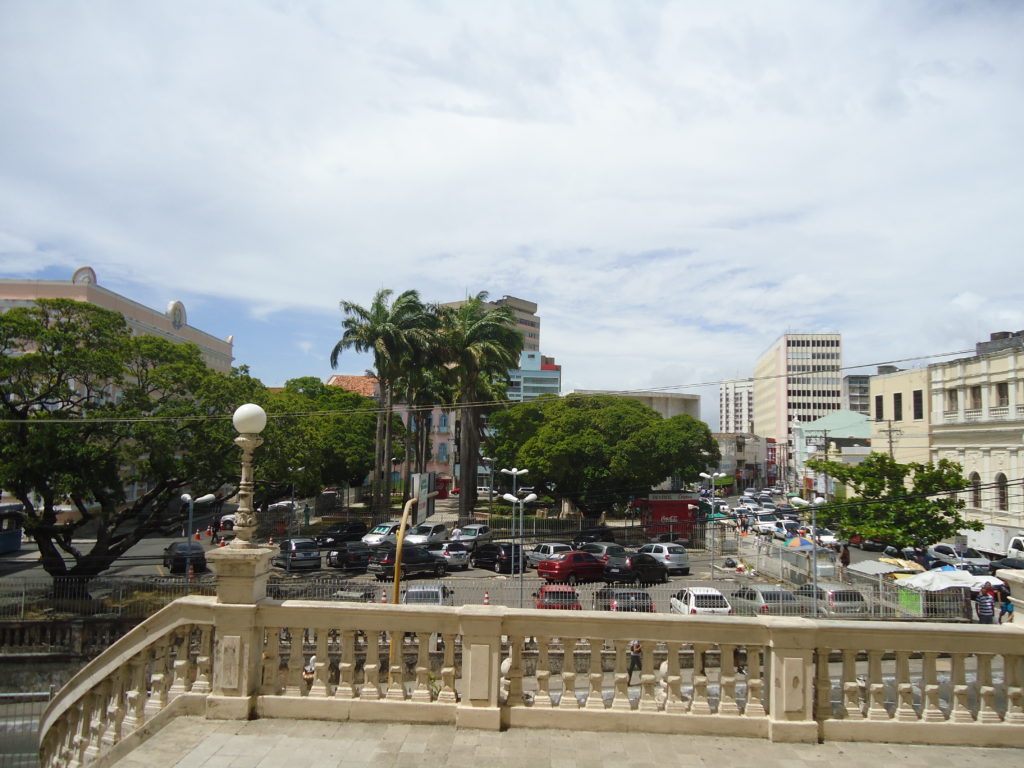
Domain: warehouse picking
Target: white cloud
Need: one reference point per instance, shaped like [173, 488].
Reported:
[675, 184]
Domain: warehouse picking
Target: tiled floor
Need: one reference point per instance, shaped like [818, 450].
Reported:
[191, 742]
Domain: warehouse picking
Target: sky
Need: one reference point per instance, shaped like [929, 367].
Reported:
[675, 184]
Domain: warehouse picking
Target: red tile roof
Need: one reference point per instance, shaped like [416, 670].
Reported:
[361, 385]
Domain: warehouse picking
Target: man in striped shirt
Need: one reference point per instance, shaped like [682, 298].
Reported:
[986, 604]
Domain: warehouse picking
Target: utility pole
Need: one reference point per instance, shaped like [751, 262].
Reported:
[890, 431]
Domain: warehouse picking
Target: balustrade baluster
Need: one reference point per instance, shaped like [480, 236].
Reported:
[569, 673]
[620, 691]
[204, 661]
[701, 705]
[294, 684]
[905, 712]
[135, 697]
[421, 691]
[822, 685]
[544, 697]
[115, 708]
[648, 680]
[931, 711]
[159, 679]
[271, 681]
[1012, 671]
[674, 702]
[754, 707]
[595, 698]
[346, 666]
[727, 704]
[322, 667]
[84, 708]
[987, 712]
[876, 687]
[97, 722]
[515, 672]
[447, 694]
[852, 706]
[395, 685]
[70, 736]
[961, 712]
[371, 667]
[181, 670]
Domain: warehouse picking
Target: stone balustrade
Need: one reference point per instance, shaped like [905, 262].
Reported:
[786, 679]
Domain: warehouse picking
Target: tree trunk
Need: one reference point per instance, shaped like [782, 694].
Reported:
[378, 448]
[467, 462]
[388, 453]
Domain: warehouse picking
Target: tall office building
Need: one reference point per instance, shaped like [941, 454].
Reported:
[736, 406]
[526, 319]
[857, 393]
[537, 375]
[798, 378]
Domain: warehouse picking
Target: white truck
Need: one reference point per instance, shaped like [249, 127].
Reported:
[997, 541]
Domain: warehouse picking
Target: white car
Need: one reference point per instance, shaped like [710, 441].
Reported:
[427, 533]
[700, 601]
[825, 538]
[385, 533]
[472, 534]
[951, 555]
[764, 523]
[673, 556]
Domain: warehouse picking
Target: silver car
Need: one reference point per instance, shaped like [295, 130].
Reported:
[674, 556]
[472, 534]
[769, 600]
[427, 533]
[544, 550]
[455, 552]
[835, 599]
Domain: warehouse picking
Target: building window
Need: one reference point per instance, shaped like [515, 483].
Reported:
[1002, 394]
[918, 404]
[952, 403]
[442, 452]
[897, 406]
[1002, 492]
[879, 408]
[975, 490]
[442, 423]
[975, 392]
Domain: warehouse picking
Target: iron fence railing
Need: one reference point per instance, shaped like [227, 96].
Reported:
[19, 728]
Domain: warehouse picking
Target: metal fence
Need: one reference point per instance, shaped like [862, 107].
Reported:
[19, 728]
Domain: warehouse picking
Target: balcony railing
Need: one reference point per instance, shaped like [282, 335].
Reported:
[787, 679]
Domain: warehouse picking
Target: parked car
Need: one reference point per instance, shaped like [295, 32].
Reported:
[764, 523]
[671, 538]
[557, 596]
[603, 550]
[348, 555]
[356, 593]
[227, 522]
[674, 556]
[454, 552]
[786, 529]
[623, 600]
[787, 512]
[426, 533]
[179, 555]
[473, 534]
[590, 535]
[835, 599]
[384, 533]
[869, 544]
[545, 549]
[571, 567]
[428, 593]
[352, 530]
[415, 560]
[499, 556]
[825, 538]
[767, 599]
[297, 554]
[699, 601]
[640, 568]
[951, 555]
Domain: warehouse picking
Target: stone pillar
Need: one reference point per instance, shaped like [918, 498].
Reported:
[791, 697]
[481, 629]
[238, 643]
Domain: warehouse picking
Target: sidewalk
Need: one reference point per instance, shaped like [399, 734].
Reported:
[192, 742]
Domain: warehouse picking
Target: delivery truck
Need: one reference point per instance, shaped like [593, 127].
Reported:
[997, 541]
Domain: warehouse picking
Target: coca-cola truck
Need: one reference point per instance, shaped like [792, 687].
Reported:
[677, 515]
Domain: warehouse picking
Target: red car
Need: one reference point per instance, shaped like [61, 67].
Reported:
[558, 596]
[571, 567]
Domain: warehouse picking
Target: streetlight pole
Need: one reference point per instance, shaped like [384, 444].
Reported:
[187, 498]
[710, 477]
[249, 420]
[521, 564]
[515, 476]
[818, 501]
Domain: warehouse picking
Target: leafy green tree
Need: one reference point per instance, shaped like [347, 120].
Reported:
[478, 345]
[907, 505]
[599, 450]
[390, 331]
[88, 413]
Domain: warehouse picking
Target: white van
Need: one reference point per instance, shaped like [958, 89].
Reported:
[383, 534]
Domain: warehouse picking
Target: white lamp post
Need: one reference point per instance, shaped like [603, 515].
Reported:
[711, 505]
[818, 501]
[522, 503]
[490, 482]
[187, 499]
[249, 420]
[515, 476]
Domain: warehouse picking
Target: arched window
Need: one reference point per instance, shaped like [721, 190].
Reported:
[442, 452]
[1002, 492]
[975, 490]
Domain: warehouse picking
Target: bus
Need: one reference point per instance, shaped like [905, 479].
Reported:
[11, 519]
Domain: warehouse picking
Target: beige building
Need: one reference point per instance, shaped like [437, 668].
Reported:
[900, 413]
[170, 324]
[977, 420]
[736, 406]
[797, 379]
[744, 459]
[526, 319]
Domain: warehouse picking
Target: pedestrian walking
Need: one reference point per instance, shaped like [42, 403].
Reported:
[985, 604]
[844, 556]
[1005, 605]
[636, 658]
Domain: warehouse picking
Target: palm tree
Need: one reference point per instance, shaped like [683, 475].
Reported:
[391, 331]
[479, 345]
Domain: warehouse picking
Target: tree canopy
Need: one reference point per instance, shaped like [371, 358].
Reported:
[906, 505]
[599, 450]
[115, 425]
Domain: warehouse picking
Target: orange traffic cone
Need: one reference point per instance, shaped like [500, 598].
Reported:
[383, 595]
[209, 531]
[487, 598]
[223, 543]
[191, 572]
[270, 541]
[197, 534]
